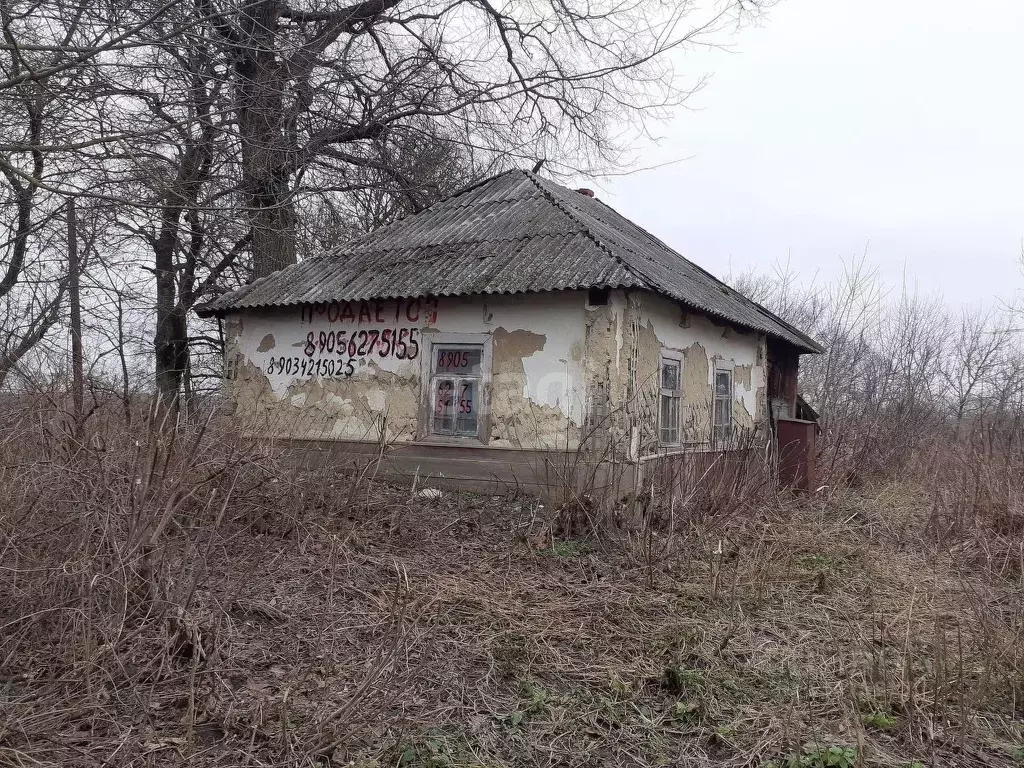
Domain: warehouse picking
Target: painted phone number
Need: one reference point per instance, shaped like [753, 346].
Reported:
[346, 348]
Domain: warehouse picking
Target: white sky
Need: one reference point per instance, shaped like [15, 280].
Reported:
[844, 124]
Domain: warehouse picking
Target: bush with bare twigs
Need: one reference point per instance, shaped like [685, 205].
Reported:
[171, 597]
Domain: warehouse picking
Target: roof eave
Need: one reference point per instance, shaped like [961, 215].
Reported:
[207, 310]
[215, 309]
[808, 346]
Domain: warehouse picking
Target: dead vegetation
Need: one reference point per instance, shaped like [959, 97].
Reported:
[182, 598]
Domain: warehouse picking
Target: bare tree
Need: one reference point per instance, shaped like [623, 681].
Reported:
[901, 370]
[313, 120]
[177, 183]
[34, 280]
[169, 93]
[341, 85]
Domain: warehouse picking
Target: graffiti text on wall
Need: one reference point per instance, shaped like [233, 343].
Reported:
[373, 329]
[391, 312]
[402, 343]
[321, 367]
[334, 354]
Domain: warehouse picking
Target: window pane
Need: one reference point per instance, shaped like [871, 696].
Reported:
[458, 359]
[669, 419]
[723, 383]
[444, 405]
[723, 414]
[467, 406]
[669, 374]
[722, 436]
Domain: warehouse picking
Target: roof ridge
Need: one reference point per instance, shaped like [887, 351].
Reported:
[586, 229]
[673, 251]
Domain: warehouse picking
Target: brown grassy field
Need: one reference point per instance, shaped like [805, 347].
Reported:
[170, 600]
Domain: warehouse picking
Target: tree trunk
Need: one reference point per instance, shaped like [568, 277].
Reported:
[126, 397]
[75, 298]
[273, 233]
[266, 175]
[171, 340]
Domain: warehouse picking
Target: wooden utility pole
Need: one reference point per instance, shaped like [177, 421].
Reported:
[75, 297]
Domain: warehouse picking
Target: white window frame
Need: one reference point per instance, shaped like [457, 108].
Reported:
[428, 378]
[670, 358]
[719, 440]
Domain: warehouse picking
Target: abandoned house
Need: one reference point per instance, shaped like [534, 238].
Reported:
[489, 337]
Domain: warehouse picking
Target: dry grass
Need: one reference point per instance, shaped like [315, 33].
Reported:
[197, 603]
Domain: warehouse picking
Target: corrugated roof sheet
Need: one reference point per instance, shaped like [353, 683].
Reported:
[514, 233]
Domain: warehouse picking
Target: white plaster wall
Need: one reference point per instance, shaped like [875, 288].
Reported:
[547, 386]
[555, 373]
[265, 336]
[260, 341]
[721, 342]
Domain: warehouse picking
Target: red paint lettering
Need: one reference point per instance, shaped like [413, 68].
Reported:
[408, 310]
[347, 313]
[364, 312]
[379, 311]
[333, 310]
[432, 317]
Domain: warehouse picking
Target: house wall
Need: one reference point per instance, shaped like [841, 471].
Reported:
[287, 377]
[625, 343]
[562, 372]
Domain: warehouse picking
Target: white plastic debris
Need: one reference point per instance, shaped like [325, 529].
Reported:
[430, 493]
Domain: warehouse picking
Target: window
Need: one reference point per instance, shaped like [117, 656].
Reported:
[722, 424]
[598, 297]
[456, 378]
[231, 366]
[671, 395]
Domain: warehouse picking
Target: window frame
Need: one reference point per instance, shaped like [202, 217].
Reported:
[717, 440]
[232, 362]
[675, 359]
[428, 382]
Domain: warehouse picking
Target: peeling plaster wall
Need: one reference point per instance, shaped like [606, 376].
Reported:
[625, 343]
[706, 344]
[561, 371]
[621, 365]
[292, 372]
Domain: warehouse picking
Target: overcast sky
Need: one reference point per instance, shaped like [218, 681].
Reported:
[845, 124]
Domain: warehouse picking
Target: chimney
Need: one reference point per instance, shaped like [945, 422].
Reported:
[585, 192]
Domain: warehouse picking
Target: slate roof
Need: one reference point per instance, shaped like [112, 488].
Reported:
[513, 233]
